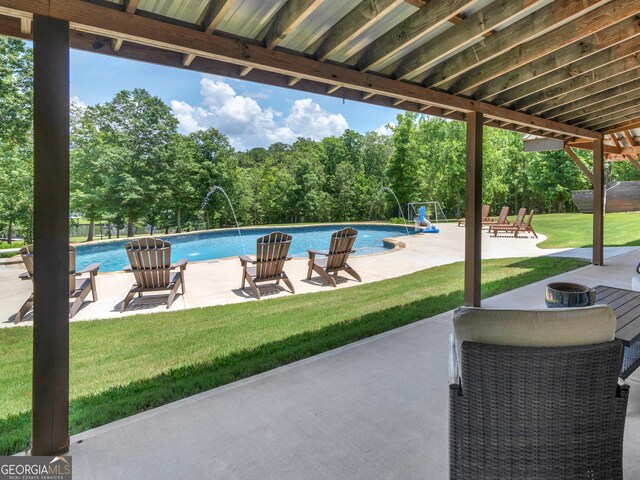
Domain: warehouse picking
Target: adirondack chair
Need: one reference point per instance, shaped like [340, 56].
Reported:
[150, 262]
[485, 216]
[79, 285]
[502, 218]
[335, 260]
[496, 227]
[516, 228]
[271, 255]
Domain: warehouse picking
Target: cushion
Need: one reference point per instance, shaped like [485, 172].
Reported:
[557, 327]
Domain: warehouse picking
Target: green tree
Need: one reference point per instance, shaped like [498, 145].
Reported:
[141, 126]
[403, 167]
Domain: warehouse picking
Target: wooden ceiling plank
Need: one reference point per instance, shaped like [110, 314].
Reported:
[579, 38]
[573, 54]
[539, 23]
[290, 16]
[465, 32]
[353, 24]
[628, 125]
[435, 14]
[108, 22]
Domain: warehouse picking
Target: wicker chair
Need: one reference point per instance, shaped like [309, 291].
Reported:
[530, 412]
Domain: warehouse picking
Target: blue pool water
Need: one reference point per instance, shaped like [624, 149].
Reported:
[221, 244]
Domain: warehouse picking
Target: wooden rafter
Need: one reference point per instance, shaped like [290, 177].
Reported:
[290, 16]
[582, 28]
[572, 54]
[612, 113]
[435, 14]
[586, 103]
[535, 25]
[628, 125]
[621, 122]
[542, 94]
[215, 12]
[353, 24]
[130, 6]
[472, 28]
[109, 22]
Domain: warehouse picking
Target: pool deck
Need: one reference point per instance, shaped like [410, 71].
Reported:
[217, 282]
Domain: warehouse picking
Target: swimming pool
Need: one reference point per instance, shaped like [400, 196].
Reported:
[226, 243]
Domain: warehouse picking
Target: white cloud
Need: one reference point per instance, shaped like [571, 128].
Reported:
[247, 123]
[386, 129]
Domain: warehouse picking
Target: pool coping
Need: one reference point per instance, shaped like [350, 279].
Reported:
[393, 243]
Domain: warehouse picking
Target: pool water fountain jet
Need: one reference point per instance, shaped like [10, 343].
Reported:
[205, 202]
[388, 190]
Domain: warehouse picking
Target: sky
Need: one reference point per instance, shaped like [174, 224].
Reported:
[250, 114]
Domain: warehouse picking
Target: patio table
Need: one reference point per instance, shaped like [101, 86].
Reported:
[626, 305]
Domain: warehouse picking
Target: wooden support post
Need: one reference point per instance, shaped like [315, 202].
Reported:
[50, 397]
[473, 211]
[598, 203]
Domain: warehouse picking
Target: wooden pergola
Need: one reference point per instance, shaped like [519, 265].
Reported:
[561, 69]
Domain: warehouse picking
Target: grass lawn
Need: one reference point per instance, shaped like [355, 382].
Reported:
[120, 367]
[572, 230]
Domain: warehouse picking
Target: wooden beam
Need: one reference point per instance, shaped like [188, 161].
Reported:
[587, 104]
[578, 162]
[333, 88]
[598, 203]
[50, 395]
[290, 16]
[187, 59]
[116, 44]
[582, 28]
[130, 6]
[532, 26]
[216, 11]
[473, 212]
[588, 145]
[353, 24]
[367, 96]
[545, 60]
[634, 162]
[25, 26]
[540, 94]
[293, 81]
[435, 14]
[472, 28]
[108, 22]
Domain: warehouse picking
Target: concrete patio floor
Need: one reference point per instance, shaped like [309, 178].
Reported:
[374, 409]
[217, 282]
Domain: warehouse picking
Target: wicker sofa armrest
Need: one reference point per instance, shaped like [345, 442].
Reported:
[454, 372]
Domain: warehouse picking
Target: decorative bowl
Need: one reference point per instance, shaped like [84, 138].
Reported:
[566, 295]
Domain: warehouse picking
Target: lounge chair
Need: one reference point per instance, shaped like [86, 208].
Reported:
[536, 395]
[79, 285]
[271, 254]
[150, 262]
[485, 216]
[502, 218]
[495, 227]
[335, 260]
[523, 227]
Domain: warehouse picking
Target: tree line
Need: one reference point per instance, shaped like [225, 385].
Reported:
[130, 166]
